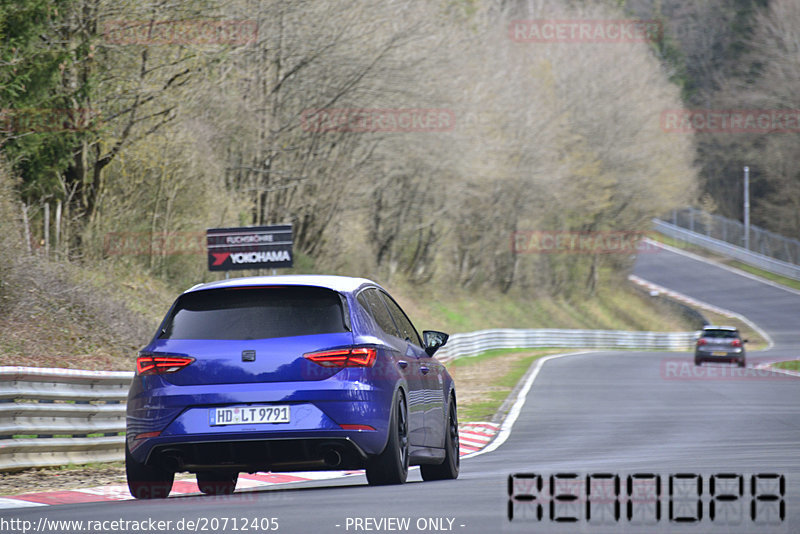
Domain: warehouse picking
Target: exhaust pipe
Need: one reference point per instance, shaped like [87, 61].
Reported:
[172, 461]
[332, 458]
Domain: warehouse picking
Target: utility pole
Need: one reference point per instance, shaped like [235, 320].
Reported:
[747, 208]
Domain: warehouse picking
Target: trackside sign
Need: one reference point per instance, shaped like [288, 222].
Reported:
[250, 247]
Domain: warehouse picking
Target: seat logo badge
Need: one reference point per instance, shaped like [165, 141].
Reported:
[248, 355]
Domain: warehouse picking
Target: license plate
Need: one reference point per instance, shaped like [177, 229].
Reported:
[248, 415]
[719, 353]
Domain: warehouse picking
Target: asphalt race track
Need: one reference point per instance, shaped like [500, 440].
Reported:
[650, 420]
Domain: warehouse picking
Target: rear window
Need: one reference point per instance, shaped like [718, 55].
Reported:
[255, 313]
[721, 334]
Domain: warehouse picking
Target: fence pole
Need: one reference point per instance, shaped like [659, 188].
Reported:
[56, 244]
[747, 208]
[26, 226]
[46, 229]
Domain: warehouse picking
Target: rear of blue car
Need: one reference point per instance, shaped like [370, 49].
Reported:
[257, 378]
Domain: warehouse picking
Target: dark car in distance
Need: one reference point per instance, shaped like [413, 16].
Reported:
[720, 344]
[288, 373]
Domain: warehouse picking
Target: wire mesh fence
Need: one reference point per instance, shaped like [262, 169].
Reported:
[732, 231]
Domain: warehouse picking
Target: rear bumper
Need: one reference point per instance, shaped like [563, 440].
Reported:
[737, 355]
[176, 418]
[254, 454]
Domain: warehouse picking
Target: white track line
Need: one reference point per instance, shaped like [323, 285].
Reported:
[16, 503]
[771, 367]
[522, 396]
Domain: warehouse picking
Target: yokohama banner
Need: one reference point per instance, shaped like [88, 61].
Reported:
[250, 247]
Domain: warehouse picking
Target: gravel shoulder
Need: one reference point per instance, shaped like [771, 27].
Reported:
[54, 479]
[67, 478]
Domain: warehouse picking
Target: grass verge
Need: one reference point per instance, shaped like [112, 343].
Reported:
[791, 365]
[484, 381]
[613, 307]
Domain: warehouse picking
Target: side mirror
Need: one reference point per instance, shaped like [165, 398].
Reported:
[434, 340]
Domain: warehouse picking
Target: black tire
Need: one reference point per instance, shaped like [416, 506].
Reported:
[698, 361]
[741, 362]
[448, 469]
[145, 481]
[391, 465]
[217, 482]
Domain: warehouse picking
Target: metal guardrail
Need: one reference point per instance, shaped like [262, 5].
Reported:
[51, 417]
[726, 249]
[461, 345]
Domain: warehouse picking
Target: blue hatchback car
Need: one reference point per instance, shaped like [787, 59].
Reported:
[288, 373]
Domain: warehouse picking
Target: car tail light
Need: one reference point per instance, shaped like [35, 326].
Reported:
[352, 357]
[701, 341]
[357, 427]
[147, 435]
[138, 439]
[736, 343]
[159, 364]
